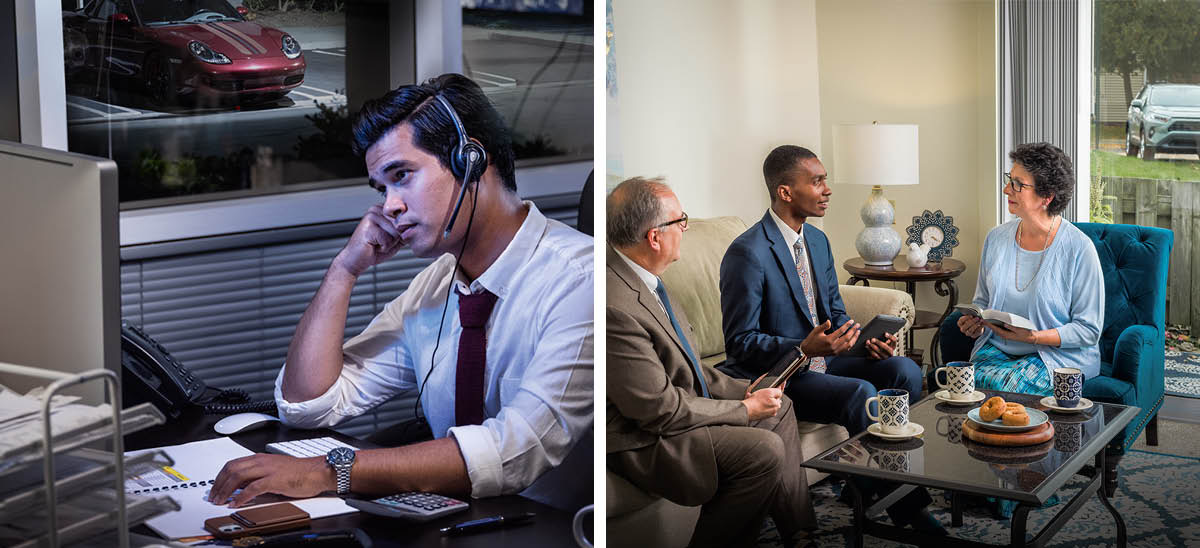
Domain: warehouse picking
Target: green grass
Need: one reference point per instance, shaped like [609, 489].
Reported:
[1109, 131]
[1109, 164]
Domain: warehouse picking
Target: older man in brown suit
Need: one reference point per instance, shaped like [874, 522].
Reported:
[675, 427]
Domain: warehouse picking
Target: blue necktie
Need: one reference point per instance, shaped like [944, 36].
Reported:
[662, 295]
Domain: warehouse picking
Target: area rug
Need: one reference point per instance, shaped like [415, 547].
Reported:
[1182, 374]
[1159, 498]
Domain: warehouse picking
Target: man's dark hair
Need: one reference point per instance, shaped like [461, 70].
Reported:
[780, 163]
[433, 129]
[1053, 175]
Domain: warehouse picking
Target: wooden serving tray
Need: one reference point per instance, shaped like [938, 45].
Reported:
[978, 434]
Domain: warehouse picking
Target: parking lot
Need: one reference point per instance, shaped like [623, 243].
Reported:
[540, 82]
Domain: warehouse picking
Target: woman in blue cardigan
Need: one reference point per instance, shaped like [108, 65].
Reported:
[1043, 268]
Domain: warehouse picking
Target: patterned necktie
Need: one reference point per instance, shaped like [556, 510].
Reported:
[473, 313]
[666, 302]
[818, 363]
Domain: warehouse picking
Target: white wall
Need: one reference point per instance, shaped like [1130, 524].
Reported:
[708, 88]
[930, 63]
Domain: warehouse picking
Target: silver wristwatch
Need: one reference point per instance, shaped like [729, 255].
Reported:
[342, 460]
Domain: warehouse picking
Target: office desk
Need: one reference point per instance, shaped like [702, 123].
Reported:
[551, 527]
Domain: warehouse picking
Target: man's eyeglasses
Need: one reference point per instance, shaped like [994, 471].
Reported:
[682, 222]
[1014, 184]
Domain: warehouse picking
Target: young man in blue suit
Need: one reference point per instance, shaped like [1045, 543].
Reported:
[779, 290]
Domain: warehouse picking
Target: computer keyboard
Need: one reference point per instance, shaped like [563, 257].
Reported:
[314, 447]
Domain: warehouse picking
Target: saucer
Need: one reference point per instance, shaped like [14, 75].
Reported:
[1052, 404]
[914, 430]
[944, 396]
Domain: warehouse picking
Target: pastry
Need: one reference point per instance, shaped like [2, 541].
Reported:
[1015, 417]
[992, 409]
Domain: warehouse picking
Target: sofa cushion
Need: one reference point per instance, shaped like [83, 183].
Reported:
[1110, 390]
[693, 280]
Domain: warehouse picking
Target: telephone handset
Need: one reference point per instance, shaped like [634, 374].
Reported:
[151, 374]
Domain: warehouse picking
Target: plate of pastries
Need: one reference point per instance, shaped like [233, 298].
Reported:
[1000, 416]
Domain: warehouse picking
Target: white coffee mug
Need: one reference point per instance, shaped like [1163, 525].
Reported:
[960, 379]
[577, 526]
[893, 410]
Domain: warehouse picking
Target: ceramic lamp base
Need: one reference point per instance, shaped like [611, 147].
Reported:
[877, 244]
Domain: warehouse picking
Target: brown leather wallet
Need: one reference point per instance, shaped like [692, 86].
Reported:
[273, 518]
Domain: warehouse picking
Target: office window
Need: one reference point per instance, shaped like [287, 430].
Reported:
[533, 59]
[1145, 131]
[214, 99]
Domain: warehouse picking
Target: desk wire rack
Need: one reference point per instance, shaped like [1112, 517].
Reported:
[76, 504]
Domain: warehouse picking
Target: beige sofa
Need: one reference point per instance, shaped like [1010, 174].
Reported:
[637, 518]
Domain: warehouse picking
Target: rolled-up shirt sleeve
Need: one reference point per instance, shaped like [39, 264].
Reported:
[544, 411]
[375, 367]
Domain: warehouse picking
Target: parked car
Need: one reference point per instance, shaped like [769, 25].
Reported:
[1164, 118]
[172, 49]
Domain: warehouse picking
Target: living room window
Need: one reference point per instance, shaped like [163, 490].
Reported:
[1145, 132]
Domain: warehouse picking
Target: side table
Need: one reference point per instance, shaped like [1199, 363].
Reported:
[941, 274]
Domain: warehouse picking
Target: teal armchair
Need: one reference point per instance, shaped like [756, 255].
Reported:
[1134, 260]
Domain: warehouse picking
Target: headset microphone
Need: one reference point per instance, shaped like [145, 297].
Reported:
[461, 194]
[467, 154]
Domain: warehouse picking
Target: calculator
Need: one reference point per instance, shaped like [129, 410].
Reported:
[413, 506]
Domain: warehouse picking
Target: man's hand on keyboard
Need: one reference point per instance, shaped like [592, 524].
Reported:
[278, 474]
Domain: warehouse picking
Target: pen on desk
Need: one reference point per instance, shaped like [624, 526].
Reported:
[487, 524]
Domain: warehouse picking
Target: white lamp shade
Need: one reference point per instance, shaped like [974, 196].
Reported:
[876, 154]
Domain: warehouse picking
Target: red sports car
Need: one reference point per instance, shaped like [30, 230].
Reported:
[171, 49]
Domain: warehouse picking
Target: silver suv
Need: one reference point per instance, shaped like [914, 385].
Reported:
[1164, 118]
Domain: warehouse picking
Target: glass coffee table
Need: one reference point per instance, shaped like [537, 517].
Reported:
[944, 458]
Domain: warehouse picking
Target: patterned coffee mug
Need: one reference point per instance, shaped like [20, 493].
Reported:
[954, 424]
[893, 410]
[1068, 386]
[960, 379]
[893, 461]
[1068, 437]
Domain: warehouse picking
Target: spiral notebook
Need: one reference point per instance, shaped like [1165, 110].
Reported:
[196, 465]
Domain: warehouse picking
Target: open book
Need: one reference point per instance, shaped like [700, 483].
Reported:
[997, 316]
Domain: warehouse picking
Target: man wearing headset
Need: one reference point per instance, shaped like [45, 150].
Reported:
[509, 396]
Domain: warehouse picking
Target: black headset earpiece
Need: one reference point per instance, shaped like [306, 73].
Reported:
[467, 162]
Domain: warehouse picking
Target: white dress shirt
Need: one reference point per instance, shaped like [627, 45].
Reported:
[645, 276]
[538, 378]
[790, 237]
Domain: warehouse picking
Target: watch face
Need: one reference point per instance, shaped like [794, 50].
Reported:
[340, 455]
[932, 235]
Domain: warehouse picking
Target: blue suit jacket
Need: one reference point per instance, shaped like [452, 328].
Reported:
[764, 311]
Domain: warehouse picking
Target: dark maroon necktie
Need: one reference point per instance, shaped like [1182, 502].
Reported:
[473, 312]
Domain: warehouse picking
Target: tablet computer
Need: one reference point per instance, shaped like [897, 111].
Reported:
[792, 362]
[875, 329]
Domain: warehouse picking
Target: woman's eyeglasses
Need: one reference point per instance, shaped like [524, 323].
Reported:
[1014, 184]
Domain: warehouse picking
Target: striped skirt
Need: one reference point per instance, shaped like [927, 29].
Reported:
[997, 370]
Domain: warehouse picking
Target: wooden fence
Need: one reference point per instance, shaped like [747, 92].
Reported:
[1174, 205]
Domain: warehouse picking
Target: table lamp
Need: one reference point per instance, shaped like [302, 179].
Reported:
[876, 154]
